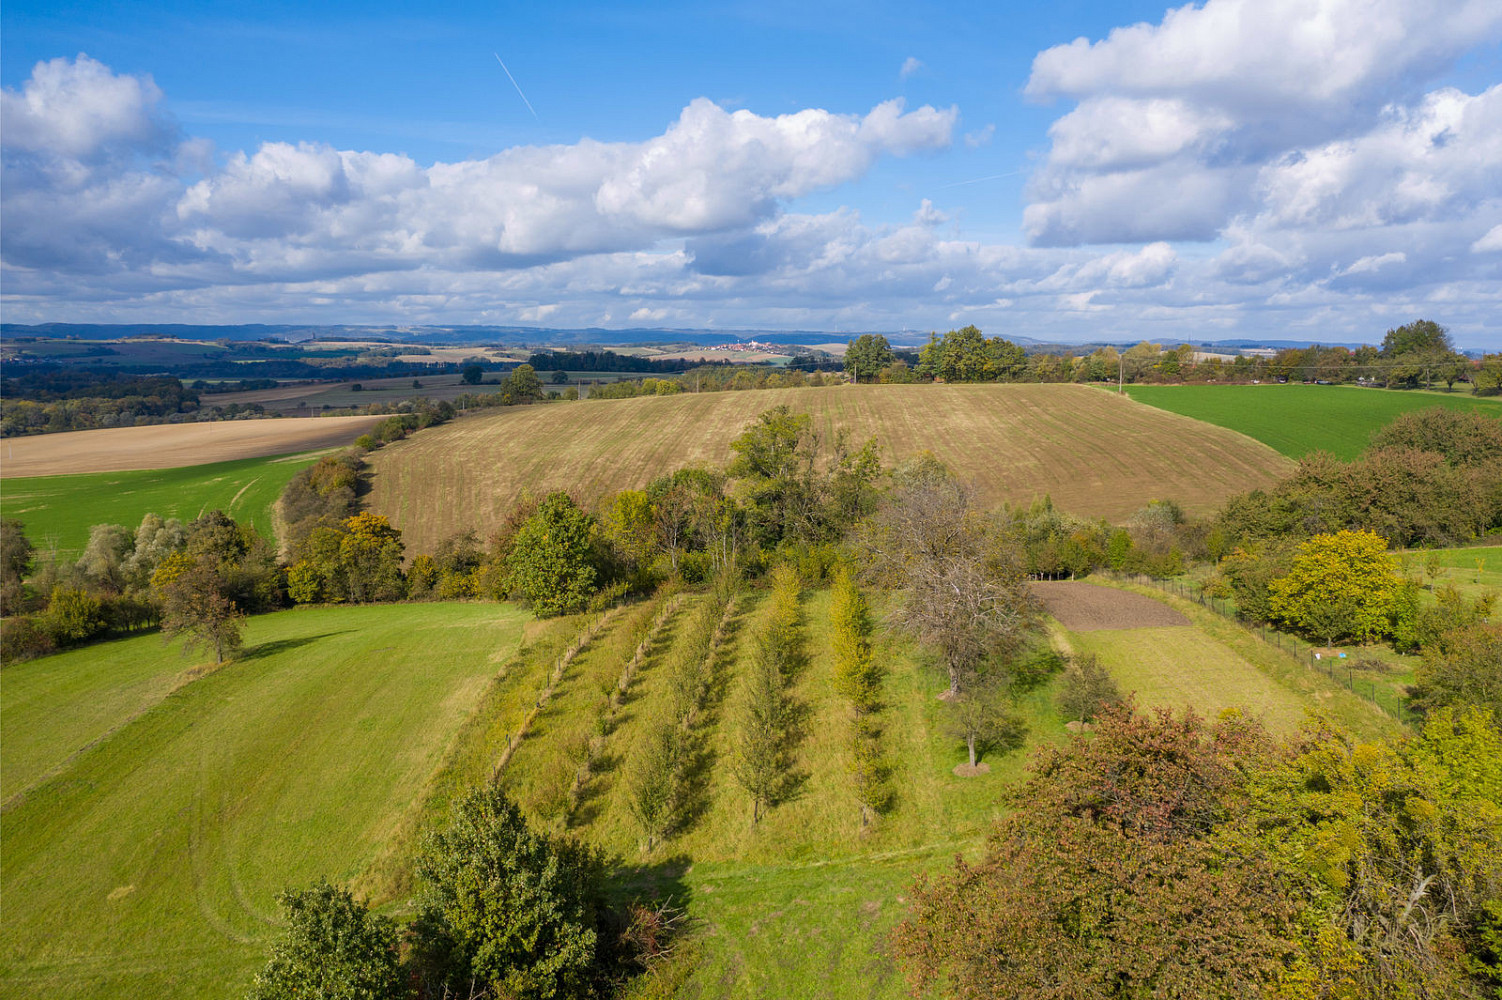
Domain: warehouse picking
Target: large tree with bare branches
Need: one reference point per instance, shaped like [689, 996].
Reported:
[965, 595]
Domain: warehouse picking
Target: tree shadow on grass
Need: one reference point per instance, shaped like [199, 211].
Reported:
[261, 650]
[608, 764]
[645, 923]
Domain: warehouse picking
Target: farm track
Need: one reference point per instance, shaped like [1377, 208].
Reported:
[1094, 453]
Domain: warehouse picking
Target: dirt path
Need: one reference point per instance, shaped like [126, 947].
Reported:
[1084, 607]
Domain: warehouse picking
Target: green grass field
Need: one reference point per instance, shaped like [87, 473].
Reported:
[1216, 664]
[1481, 564]
[60, 510]
[147, 865]
[152, 815]
[1299, 419]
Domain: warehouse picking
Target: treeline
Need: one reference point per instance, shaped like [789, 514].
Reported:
[788, 493]
[196, 580]
[1419, 354]
[82, 399]
[601, 361]
[713, 378]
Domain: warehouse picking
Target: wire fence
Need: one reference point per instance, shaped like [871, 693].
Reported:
[1338, 667]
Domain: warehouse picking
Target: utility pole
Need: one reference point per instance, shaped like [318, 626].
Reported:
[1120, 374]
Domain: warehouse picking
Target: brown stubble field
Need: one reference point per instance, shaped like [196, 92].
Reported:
[1095, 453]
[172, 446]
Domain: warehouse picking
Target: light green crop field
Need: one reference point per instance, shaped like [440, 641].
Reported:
[1299, 419]
[1474, 571]
[148, 862]
[60, 510]
[1484, 562]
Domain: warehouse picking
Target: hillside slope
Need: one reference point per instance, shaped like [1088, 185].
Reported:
[151, 817]
[1095, 453]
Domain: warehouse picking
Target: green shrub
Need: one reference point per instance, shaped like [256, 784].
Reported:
[335, 948]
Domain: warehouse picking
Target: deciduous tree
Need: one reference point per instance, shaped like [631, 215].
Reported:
[981, 719]
[1104, 879]
[195, 607]
[550, 559]
[856, 674]
[965, 597]
[1340, 586]
[867, 355]
[652, 783]
[17, 556]
[1463, 668]
[1087, 690]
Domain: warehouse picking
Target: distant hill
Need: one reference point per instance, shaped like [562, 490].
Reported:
[539, 336]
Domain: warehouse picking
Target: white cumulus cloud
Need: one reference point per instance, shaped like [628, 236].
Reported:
[1175, 121]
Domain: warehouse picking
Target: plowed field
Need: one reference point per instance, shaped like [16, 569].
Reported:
[1084, 607]
[172, 446]
[1095, 453]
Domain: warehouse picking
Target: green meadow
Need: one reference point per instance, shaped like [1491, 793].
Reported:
[152, 816]
[1298, 419]
[60, 510]
[153, 807]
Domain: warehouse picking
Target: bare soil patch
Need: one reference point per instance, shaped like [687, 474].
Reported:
[171, 446]
[1084, 607]
[966, 771]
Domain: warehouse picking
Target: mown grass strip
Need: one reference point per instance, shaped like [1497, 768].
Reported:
[149, 866]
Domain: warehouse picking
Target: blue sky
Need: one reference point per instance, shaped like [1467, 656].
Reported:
[1322, 168]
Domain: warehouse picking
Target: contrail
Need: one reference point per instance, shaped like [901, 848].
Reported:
[516, 85]
[993, 177]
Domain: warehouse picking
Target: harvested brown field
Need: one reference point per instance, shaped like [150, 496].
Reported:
[1095, 453]
[172, 446]
[1085, 607]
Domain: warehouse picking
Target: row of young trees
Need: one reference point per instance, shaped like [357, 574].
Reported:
[763, 748]
[858, 679]
[659, 771]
